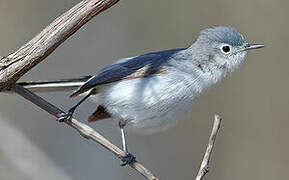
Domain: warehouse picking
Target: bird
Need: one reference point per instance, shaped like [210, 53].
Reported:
[152, 92]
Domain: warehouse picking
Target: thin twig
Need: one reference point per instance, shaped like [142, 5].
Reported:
[15, 65]
[204, 169]
[84, 130]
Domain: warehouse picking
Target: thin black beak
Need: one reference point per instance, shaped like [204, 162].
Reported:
[248, 47]
[253, 46]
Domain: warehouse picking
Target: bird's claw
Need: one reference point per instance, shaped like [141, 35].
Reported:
[65, 117]
[128, 159]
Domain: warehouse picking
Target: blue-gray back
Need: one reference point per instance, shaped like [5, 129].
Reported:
[150, 63]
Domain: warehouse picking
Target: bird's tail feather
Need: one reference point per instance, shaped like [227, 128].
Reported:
[52, 86]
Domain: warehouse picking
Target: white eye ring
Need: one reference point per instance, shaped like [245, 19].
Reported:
[226, 48]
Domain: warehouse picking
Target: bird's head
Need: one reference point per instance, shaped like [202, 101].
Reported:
[223, 47]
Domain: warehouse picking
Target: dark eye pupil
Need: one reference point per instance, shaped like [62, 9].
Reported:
[226, 49]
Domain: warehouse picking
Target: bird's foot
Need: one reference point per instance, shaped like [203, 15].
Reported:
[128, 159]
[66, 116]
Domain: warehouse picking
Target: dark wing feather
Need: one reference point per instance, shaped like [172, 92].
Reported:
[130, 68]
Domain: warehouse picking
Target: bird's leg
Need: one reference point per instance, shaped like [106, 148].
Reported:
[122, 124]
[129, 158]
[68, 115]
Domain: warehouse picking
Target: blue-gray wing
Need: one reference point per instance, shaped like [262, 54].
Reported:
[129, 68]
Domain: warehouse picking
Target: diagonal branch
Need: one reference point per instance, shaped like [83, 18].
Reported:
[84, 130]
[204, 169]
[15, 65]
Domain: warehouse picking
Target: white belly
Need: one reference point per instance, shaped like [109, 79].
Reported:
[150, 104]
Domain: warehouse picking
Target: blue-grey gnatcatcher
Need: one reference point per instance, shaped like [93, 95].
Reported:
[151, 92]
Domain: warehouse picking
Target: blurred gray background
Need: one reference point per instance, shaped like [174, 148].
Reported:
[253, 102]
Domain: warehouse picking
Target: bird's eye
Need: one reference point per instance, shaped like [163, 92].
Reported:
[226, 48]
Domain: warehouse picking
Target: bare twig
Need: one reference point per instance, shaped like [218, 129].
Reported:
[83, 129]
[204, 169]
[15, 65]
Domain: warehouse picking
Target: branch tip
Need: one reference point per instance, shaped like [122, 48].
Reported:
[204, 168]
